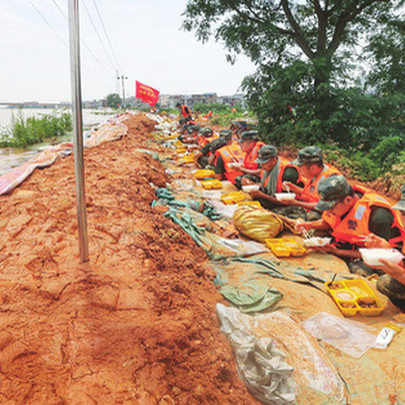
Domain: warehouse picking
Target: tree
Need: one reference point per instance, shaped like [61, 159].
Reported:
[113, 100]
[317, 42]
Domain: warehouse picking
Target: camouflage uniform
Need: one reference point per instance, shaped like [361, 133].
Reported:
[332, 190]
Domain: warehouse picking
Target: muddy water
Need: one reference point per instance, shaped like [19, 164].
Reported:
[11, 157]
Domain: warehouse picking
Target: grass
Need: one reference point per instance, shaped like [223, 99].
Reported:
[28, 131]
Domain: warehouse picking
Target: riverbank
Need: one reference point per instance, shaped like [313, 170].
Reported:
[11, 158]
[135, 325]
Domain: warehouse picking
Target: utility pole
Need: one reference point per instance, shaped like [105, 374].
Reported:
[78, 127]
[123, 78]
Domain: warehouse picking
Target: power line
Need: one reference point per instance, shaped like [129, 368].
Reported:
[47, 23]
[82, 41]
[105, 32]
[98, 35]
[58, 7]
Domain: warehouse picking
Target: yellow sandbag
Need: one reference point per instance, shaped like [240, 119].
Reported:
[257, 223]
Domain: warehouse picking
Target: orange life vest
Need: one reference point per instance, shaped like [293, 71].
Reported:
[202, 140]
[230, 154]
[250, 158]
[310, 191]
[284, 163]
[185, 111]
[356, 223]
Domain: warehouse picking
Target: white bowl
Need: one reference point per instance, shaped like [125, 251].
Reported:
[251, 187]
[284, 196]
[371, 256]
[316, 242]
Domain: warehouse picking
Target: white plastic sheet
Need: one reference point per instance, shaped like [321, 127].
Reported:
[267, 375]
[348, 336]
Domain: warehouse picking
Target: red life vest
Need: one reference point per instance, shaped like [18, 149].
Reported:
[230, 154]
[310, 191]
[284, 164]
[356, 221]
[250, 158]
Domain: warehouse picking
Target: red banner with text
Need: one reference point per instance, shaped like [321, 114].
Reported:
[146, 93]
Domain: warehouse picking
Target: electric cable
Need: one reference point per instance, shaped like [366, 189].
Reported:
[82, 41]
[98, 35]
[105, 32]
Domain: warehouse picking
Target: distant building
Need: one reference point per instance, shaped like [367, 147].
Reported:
[231, 101]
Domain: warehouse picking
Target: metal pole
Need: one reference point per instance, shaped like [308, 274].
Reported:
[123, 90]
[74, 36]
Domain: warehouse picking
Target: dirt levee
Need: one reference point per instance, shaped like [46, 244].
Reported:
[135, 325]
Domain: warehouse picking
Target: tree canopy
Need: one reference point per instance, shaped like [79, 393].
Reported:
[328, 71]
[113, 100]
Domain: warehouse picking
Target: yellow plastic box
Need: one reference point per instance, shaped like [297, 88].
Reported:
[354, 296]
[233, 198]
[252, 203]
[204, 174]
[285, 247]
[187, 158]
[211, 184]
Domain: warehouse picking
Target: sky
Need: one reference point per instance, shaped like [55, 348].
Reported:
[148, 46]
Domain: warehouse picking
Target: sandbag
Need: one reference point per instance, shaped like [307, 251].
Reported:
[257, 223]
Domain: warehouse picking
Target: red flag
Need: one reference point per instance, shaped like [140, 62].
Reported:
[146, 93]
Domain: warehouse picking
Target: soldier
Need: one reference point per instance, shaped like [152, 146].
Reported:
[351, 214]
[227, 157]
[275, 170]
[250, 144]
[313, 168]
[392, 283]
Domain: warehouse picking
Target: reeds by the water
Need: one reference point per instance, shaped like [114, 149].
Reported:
[28, 131]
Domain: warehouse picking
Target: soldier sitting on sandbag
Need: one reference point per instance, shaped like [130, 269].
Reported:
[312, 167]
[191, 135]
[250, 144]
[274, 171]
[227, 157]
[351, 214]
[392, 282]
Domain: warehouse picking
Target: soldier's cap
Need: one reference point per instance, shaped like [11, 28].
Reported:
[226, 134]
[207, 132]
[332, 190]
[310, 154]
[400, 205]
[193, 128]
[238, 124]
[217, 144]
[266, 153]
[249, 136]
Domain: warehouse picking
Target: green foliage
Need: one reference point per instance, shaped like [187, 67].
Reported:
[215, 108]
[28, 131]
[114, 100]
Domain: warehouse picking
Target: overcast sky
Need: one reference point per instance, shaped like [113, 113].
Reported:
[147, 41]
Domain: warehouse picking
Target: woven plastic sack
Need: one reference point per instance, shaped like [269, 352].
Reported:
[257, 223]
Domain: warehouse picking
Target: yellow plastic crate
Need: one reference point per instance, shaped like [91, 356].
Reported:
[233, 198]
[252, 203]
[354, 296]
[204, 174]
[285, 247]
[211, 184]
[188, 158]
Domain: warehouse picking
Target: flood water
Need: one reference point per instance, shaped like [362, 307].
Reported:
[11, 157]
